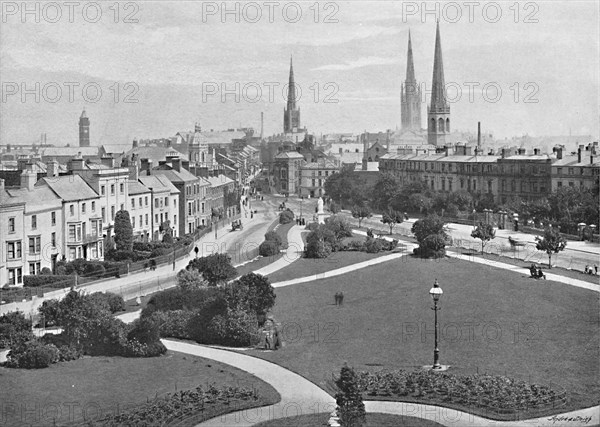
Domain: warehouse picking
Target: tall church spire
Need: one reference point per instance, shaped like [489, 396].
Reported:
[410, 67]
[410, 97]
[291, 114]
[438, 115]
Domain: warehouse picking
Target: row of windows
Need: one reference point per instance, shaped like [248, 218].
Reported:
[470, 168]
[12, 222]
[571, 171]
[14, 250]
[83, 208]
[112, 189]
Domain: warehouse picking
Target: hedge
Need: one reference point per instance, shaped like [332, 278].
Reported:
[55, 281]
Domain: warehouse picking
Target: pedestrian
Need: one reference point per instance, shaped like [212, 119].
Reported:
[251, 214]
[596, 269]
[337, 298]
[341, 298]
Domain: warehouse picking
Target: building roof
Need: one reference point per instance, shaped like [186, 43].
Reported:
[40, 198]
[167, 184]
[216, 181]
[115, 148]
[289, 155]
[322, 164]
[70, 151]
[136, 187]
[155, 153]
[172, 175]
[69, 187]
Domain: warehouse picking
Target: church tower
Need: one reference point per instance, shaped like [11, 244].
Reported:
[410, 95]
[84, 130]
[291, 114]
[198, 147]
[438, 113]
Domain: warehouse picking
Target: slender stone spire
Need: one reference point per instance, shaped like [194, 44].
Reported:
[410, 67]
[438, 97]
[291, 114]
[410, 97]
[291, 101]
[438, 114]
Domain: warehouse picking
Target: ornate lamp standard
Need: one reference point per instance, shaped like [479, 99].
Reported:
[301, 200]
[436, 292]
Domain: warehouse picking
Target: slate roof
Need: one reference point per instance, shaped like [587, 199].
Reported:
[70, 188]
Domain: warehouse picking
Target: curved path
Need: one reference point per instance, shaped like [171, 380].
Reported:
[298, 395]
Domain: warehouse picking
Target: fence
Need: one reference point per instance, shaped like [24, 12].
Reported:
[27, 293]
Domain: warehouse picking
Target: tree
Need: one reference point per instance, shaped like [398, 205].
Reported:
[215, 268]
[350, 406]
[123, 231]
[191, 279]
[339, 226]
[259, 293]
[420, 202]
[334, 208]
[550, 242]
[391, 218]
[361, 212]
[346, 186]
[431, 224]
[384, 190]
[485, 232]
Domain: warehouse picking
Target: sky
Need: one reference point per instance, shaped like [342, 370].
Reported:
[150, 69]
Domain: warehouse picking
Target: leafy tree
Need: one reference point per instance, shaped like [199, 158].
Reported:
[484, 232]
[339, 226]
[361, 212]
[350, 406]
[384, 190]
[14, 328]
[462, 199]
[215, 268]
[346, 186]
[431, 224]
[391, 218]
[123, 231]
[191, 279]
[550, 242]
[258, 292]
[420, 202]
[334, 208]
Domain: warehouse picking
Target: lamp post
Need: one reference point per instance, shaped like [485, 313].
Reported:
[301, 200]
[436, 292]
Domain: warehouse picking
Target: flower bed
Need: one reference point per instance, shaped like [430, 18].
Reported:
[495, 394]
[176, 407]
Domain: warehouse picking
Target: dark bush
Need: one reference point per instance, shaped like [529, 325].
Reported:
[432, 246]
[46, 271]
[14, 328]
[318, 249]
[215, 268]
[236, 329]
[50, 311]
[32, 354]
[268, 248]
[273, 237]
[286, 217]
[113, 302]
[54, 281]
[373, 246]
[356, 245]
[173, 324]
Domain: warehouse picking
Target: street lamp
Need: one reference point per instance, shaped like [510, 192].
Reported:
[301, 200]
[436, 292]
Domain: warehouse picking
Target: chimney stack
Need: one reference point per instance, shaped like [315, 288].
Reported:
[536, 151]
[28, 179]
[559, 152]
[8, 148]
[579, 150]
[107, 161]
[76, 163]
[176, 163]
[146, 166]
[135, 143]
[52, 169]
[22, 163]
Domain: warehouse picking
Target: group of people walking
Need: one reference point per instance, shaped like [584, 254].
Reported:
[339, 298]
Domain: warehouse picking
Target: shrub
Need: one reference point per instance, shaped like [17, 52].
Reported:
[190, 280]
[50, 311]
[339, 226]
[32, 354]
[252, 292]
[215, 268]
[433, 246]
[143, 340]
[272, 236]
[286, 217]
[123, 231]
[55, 281]
[167, 300]
[121, 255]
[356, 245]
[14, 328]
[318, 249]
[235, 329]
[268, 248]
[350, 406]
[46, 271]
[173, 324]
[373, 246]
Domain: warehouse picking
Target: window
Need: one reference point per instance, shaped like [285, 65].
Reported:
[141, 220]
[33, 222]
[156, 218]
[132, 203]
[570, 184]
[166, 216]
[103, 190]
[11, 225]
[122, 207]
[53, 239]
[13, 250]
[112, 213]
[34, 245]
[581, 171]
[175, 217]
[449, 184]
[133, 222]
[140, 202]
[161, 218]
[83, 208]
[71, 210]
[559, 184]
[74, 232]
[166, 201]
[93, 206]
[72, 253]
[559, 171]
[571, 171]
[34, 268]
[15, 276]
[112, 189]
[121, 188]
[53, 218]
[103, 214]
[146, 219]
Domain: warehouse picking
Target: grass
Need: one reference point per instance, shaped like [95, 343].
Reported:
[100, 386]
[491, 321]
[507, 259]
[373, 420]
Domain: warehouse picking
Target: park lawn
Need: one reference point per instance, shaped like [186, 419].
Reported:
[573, 274]
[491, 321]
[373, 420]
[102, 385]
[303, 267]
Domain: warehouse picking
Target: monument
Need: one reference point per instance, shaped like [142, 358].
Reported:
[320, 213]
